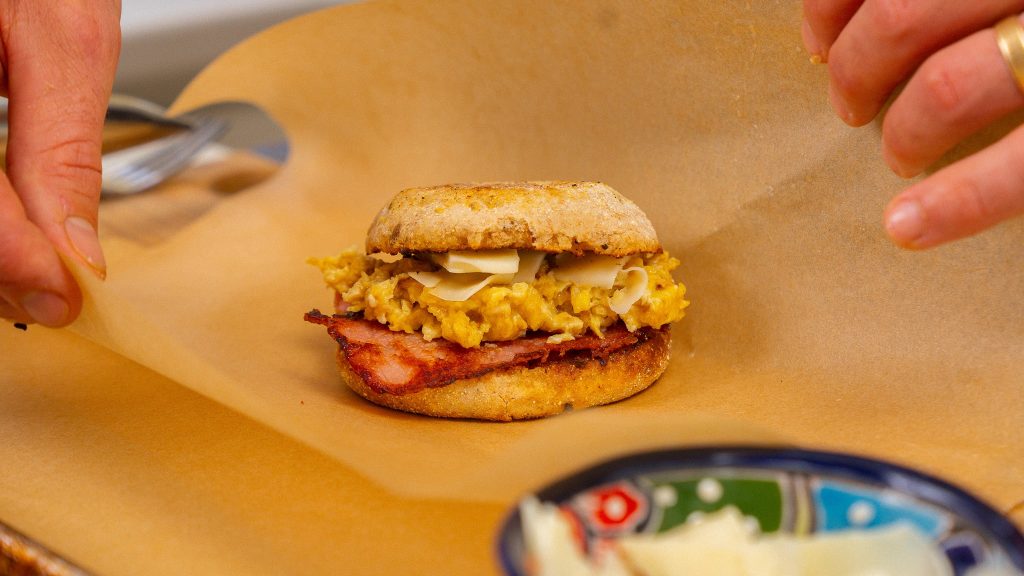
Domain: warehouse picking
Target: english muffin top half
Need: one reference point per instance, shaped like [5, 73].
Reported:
[577, 217]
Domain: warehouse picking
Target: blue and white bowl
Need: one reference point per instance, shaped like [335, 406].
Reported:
[785, 490]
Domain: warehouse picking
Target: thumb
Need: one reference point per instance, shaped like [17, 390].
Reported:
[34, 284]
[61, 58]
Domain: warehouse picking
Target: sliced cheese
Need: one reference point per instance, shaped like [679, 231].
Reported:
[489, 261]
[460, 287]
[465, 273]
[428, 279]
[529, 265]
[456, 287]
[594, 270]
[636, 286]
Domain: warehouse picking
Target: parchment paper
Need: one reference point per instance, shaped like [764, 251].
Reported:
[122, 471]
[806, 326]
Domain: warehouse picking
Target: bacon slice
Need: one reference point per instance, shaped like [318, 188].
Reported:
[400, 363]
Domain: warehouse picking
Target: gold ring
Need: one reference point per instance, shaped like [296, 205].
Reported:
[1010, 37]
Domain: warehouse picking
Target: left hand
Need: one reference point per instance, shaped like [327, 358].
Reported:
[57, 63]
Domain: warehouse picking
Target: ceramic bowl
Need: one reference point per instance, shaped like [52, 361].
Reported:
[789, 490]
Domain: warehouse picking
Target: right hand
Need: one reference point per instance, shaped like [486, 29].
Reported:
[956, 83]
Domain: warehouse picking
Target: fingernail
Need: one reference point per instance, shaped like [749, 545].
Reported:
[86, 242]
[899, 168]
[905, 223]
[46, 308]
[839, 105]
[811, 43]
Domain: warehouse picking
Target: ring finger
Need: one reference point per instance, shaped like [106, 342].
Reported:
[956, 92]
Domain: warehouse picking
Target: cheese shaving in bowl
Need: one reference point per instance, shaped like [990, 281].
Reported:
[725, 543]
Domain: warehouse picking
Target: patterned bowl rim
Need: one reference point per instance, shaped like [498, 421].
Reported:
[813, 462]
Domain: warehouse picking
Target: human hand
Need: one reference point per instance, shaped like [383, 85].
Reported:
[958, 83]
[57, 64]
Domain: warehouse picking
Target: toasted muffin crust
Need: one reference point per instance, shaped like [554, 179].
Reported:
[573, 217]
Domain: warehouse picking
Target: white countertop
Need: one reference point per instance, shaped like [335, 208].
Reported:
[141, 17]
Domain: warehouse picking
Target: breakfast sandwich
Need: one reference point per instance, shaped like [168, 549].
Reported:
[503, 301]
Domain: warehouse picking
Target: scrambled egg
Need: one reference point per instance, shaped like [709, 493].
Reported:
[385, 292]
